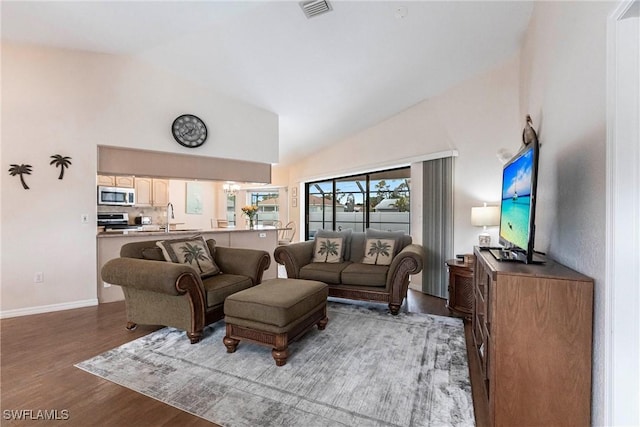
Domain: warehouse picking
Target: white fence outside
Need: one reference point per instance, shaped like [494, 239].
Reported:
[387, 221]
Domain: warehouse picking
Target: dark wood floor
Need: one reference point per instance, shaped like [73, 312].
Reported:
[37, 373]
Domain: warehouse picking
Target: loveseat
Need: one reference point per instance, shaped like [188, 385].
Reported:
[175, 293]
[356, 269]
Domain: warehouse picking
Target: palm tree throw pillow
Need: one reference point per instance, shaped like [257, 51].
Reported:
[192, 251]
[378, 251]
[328, 249]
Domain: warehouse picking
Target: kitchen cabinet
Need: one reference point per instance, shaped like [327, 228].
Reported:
[116, 181]
[160, 192]
[124, 181]
[109, 181]
[152, 192]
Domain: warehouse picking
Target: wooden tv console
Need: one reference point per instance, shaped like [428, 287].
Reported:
[532, 331]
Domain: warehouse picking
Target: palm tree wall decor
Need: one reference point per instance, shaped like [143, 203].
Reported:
[61, 162]
[21, 170]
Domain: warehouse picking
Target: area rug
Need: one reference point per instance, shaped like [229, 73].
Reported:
[367, 368]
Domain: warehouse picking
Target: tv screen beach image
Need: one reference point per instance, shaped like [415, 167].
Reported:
[516, 200]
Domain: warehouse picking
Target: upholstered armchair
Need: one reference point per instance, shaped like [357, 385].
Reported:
[174, 294]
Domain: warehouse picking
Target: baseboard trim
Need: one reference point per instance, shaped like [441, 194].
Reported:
[47, 308]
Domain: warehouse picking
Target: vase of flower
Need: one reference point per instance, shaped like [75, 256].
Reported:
[250, 211]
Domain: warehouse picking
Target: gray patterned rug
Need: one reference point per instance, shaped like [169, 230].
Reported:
[367, 368]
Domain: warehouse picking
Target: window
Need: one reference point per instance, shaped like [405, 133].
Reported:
[319, 207]
[378, 200]
[231, 209]
[267, 203]
[389, 200]
[350, 203]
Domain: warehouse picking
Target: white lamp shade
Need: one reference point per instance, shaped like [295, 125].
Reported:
[485, 216]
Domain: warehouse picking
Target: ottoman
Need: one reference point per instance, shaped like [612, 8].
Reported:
[274, 313]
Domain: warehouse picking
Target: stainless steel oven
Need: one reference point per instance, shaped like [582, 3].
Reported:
[118, 196]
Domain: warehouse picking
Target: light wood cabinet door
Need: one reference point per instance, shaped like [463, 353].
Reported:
[160, 192]
[124, 181]
[143, 191]
[109, 181]
[152, 192]
[116, 181]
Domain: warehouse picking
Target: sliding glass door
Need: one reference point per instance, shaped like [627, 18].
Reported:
[350, 202]
[372, 200]
[319, 207]
[389, 200]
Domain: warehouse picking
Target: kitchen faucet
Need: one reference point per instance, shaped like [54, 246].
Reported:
[169, 206]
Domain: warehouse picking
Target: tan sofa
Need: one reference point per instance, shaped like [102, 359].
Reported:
[351, 278]
[170, 294]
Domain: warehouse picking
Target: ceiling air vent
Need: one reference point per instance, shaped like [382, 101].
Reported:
[315, 7]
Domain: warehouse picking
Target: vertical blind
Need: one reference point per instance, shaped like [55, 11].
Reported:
[437, 227]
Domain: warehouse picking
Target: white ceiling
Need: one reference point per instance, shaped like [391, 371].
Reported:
[326, 77]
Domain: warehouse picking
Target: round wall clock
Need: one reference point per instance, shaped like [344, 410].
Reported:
[189, 131]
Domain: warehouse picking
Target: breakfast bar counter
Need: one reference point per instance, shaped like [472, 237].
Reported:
[110, 242]
[182, 232]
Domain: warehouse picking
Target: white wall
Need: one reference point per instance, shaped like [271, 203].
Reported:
[67, 102]
[476, 118]
[622, 320]
[563, 87]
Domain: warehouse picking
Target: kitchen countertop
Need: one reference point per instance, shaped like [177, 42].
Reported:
[136, 233]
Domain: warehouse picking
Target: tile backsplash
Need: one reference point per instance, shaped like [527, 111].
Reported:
[158, 214]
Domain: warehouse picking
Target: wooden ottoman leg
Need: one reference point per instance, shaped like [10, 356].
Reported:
[195, 337]
[131, 326]
[394, 308]
[323, 323]
[281, 351]
[229, 342]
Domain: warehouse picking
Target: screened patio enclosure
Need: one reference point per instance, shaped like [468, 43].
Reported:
[377, 200]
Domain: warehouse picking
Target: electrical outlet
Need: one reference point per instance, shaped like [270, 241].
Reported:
[38, 277]
[263, 234]
[84, 218]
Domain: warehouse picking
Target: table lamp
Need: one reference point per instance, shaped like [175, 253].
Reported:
[485, 216]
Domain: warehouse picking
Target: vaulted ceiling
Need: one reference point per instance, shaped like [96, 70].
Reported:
[327, 77]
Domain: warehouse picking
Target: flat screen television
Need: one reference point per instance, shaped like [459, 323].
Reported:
[518, 207]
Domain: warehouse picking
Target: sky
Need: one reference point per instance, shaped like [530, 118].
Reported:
[517, 176]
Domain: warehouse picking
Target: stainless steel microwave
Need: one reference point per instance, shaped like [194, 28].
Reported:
[118, 196]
